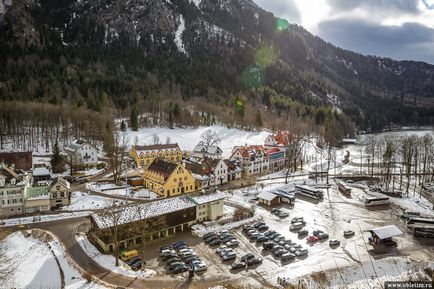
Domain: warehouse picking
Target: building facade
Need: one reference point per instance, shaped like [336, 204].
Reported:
[168, 179]
[12, 188]
[143, 156]
[36, 200]
[81, 153]
[219, 169]
[173, 215]
[276, 159]
[202, 151]
[251, 159]
[234, 171]
[60, 193]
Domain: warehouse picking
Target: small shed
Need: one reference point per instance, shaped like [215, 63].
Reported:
[269, 199]
[384, 235]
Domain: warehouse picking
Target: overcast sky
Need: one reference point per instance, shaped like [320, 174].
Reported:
[400, 29]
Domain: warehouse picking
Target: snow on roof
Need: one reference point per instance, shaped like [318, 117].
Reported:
[387, 232]
[203, 199]
[268, 196]
[41, 171]
[161, 207]
[214, 150]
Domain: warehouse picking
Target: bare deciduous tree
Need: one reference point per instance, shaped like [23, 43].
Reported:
[116, 152]
[210, 138]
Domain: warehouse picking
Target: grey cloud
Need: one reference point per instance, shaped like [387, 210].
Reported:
[286, 9]
[408, 41]
[375, 6]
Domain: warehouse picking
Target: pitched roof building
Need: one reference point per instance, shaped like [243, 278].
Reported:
[201, 151]
[18, 160]
[145, 155]
[280, 139]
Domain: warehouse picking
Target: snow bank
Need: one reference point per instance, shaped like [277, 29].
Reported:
[44, 218]
[30, 263]
[83, 201]
[108, 261]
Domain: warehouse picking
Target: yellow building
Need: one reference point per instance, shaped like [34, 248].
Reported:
[168, 179]
[145, 155]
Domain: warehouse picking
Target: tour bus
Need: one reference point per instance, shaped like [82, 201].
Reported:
[309, 192]
[425, 230]
[376, 201]
[343, 188]
[412, 222]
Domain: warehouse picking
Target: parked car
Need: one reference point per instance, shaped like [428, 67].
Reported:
[263, 228]
[253, 236]
[238, 266]
[275, 211]
[198, 266]
[349, 233]
[253, 261]
[302, 252]
[221, 248]
[262, 239]
[303, 233]
[257, 225]
[136, 265]
[165, 248]
[227, 251]
[251, 232]
[296, 226]
[323, 236]
[283, 215]
[317, 232]
[232, 243]
[173, 259]
[312, 239]
[167, 257]
[268, 245]
[229, 257]
[285, 257]
[207, 235]
[247, 227]
[297, 220]
[334, 243]
[133, 260]
[212, 238]
[247, 256]
[269, 233]
[277, 251]
[177, 244]
[215, 242]
[180, 269]
[175, 264]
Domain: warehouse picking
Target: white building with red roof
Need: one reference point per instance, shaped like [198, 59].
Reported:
[252, 159]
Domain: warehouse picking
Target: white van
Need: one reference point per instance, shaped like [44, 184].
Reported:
[296, 226]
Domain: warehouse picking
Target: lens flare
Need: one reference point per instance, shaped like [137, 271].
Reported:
[253, 77]
[265, 55]
[282, 24]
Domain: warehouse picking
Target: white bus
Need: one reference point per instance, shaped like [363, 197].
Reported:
[414, 222]
[309, 192]
[376, 201]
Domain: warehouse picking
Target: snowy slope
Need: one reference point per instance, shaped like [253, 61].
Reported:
[187, 138]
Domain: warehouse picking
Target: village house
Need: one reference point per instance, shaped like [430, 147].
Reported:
[143, 156]
[41, 176]
[168, 179]
[172, 215]
[12, 187]
[60, 193]
[201, 151]
[276, 159]
[202, 174]
[252, 159]
[82, 154]
[36, 199]
[234, 171]
[280, 140]
[219, 169]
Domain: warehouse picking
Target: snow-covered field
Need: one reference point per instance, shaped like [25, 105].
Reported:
[188, 138]
[83, 201]
[28, 262]
[113, 190]
[108, 261]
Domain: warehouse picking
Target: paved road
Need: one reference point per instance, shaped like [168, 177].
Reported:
[65, 231]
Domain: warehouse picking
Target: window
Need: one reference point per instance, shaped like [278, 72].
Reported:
[174, 179]
[62, 194]
[185, 178]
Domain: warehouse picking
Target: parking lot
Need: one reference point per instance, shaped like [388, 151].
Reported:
[332, 215]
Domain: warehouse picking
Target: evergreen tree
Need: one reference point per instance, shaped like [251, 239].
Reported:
[57, 159]
[134, 121]
[123, 126]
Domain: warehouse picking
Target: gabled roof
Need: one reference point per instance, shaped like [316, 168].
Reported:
[61, 181]
[162, 167]
[213, 150]
[156, 147]
[247, 151]
[198, 169]
[211, 163]
[272, 151]
[9, 173]
[387, 232]
[282, 138]
[268, 196]
[41, 171]
[76, 145]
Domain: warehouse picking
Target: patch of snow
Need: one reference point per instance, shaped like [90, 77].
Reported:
[108, 261]
[43, 218]
[83, 201]
[178, 35]
[196, 2]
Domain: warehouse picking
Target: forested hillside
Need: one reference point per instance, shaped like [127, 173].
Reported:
[198, 62]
